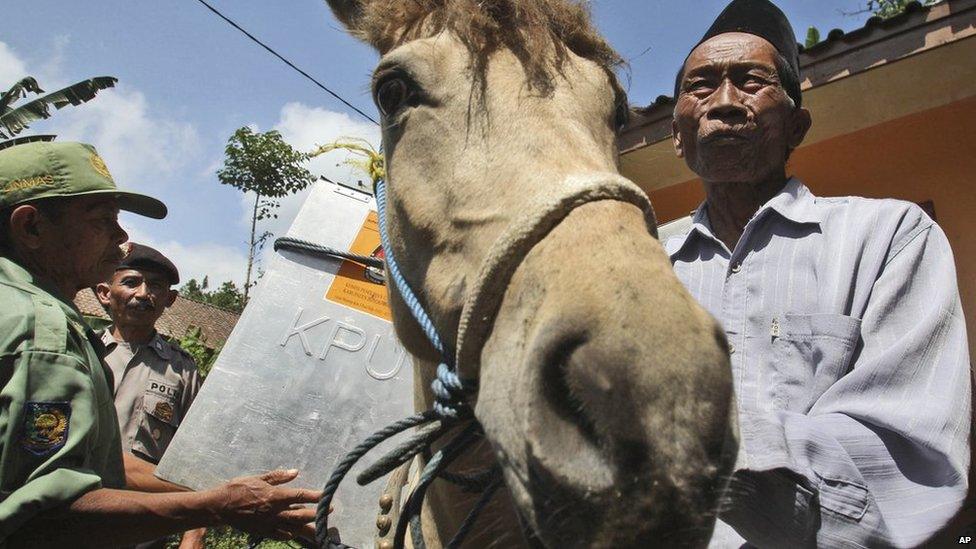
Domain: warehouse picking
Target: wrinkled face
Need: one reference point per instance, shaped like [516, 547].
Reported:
[136, 298]
[82, 245]
[733, 121]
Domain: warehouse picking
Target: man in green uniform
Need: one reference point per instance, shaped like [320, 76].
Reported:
[62, 475]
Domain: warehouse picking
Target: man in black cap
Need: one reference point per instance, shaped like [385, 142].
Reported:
[845, 327]
[155, 380]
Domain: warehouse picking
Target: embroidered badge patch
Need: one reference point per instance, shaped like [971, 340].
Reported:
[164, 411]
[99, 166]
[45, 426]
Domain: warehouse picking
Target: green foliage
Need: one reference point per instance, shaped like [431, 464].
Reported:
[891, 8]
[13, 119]
[262, 163]
[227, 538]
[813, 37]
[227, 296]
[192, 342]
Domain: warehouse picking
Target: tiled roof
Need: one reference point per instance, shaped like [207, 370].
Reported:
[838, 35]
[215, 323]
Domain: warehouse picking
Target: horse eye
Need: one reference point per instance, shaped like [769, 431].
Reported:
[621, 115]
[391, 95]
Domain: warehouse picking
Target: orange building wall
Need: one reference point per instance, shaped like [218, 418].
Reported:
[930, 155]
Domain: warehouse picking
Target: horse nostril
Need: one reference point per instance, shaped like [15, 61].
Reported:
[560, 386]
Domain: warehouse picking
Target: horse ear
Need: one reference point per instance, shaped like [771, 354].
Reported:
[348, 12]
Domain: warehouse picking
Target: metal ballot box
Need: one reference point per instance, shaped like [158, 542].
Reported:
[312, 368]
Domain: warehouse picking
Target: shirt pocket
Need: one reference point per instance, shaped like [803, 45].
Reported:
[159, 422]
[811, 352]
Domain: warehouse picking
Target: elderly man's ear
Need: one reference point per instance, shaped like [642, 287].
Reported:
[800, 123]
[170, 298]
[676, 139]
[26, 226]
[102, 290]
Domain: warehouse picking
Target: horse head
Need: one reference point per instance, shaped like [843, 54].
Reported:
[604, 390]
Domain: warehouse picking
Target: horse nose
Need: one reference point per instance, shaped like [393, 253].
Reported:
[588, 418]
[617, 426]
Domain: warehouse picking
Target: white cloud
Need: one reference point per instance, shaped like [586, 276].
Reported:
[12, 68]
[143, 150]
[219, 263]
[137, 146]
[305, 128]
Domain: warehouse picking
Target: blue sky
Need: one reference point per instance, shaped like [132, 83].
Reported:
[187, 80]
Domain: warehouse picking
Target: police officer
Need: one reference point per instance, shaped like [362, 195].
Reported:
[62, 478]
[155, 380]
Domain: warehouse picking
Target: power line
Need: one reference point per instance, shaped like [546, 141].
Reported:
[287, 62]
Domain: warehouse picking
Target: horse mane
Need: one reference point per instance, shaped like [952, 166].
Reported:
[532, 30]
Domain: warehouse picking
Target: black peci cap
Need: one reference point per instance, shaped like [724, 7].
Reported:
[763, 19]
[140, 256]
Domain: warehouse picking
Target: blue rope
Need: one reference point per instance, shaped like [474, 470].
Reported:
[450, 409]
[405, 291]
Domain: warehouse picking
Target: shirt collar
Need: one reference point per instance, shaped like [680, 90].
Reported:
[156, 343]
[108, 340]
[794, 203]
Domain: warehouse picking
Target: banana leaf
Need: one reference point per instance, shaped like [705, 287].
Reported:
[17, 91]
[14, 120]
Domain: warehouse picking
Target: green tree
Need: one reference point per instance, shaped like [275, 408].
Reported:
[263, 164]
[891, 8]
[227, 296]
[14, 119]
[813, 37]
[194, 290]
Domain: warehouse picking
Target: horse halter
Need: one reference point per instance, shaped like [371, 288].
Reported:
[456, 382]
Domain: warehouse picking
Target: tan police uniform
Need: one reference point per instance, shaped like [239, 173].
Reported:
[155, 384]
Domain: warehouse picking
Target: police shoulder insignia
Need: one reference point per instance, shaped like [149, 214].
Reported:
[45, 426]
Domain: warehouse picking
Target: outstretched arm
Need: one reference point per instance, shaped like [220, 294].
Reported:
[108, 517]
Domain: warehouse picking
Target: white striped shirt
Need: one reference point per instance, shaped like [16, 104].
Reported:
[851, 369]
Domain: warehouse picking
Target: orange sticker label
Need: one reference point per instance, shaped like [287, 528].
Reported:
[358, 286]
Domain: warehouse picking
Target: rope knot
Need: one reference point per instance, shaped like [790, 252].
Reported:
[450, 393]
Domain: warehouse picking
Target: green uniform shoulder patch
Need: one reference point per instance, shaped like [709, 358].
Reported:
[45, 426]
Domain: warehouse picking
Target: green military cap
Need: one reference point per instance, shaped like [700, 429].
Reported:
[59, 168]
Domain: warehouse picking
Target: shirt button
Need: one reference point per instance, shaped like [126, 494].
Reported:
[737, 267]
[155, 434]
[731, 349]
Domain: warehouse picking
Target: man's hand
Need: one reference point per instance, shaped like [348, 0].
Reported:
[193, 539]
[258, 505]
